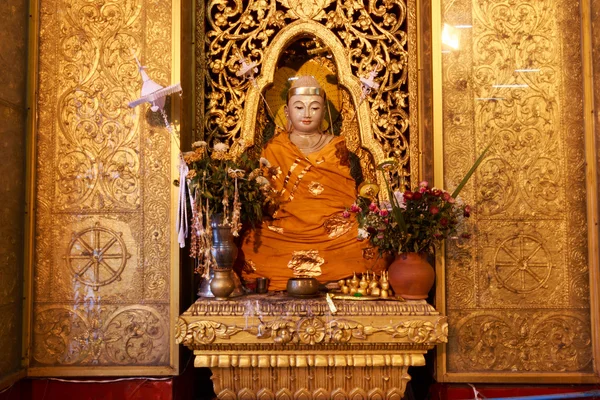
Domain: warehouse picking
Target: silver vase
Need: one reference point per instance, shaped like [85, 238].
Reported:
[225, 252]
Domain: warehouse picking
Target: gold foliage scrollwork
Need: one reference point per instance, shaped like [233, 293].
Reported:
[515, 341]
[97, 165]
[205, 332]
[344, 330]
[89, 335]
[374, 37]
[311, 331]
[419, 331]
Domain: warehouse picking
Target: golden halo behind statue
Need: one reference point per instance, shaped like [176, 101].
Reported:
[276, 96]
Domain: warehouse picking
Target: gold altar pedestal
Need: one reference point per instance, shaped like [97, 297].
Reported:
[276, 347]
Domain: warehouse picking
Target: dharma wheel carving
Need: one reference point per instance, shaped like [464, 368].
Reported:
[97, 256]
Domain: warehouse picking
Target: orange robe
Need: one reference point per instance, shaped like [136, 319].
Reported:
[308, 235]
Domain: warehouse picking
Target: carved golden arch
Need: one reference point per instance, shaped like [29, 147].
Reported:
[345, 77]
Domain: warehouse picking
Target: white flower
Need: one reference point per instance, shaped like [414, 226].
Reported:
[362, 234]
[262, 181]
[264, 162]
[400, 199]
[199, 143]
[220, 147]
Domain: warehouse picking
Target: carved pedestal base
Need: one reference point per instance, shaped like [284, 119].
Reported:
[318, 383]
[275, 347]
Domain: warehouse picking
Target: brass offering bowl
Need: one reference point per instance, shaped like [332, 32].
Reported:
[302, 287]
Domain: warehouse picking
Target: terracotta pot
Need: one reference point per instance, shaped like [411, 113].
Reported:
[411, 276]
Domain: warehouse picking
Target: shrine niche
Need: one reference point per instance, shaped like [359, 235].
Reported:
[354, 38]
[274, 345]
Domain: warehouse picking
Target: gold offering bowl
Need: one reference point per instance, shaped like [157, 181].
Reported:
[302, 287]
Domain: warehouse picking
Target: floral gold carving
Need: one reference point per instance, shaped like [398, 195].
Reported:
[524, 342]
[419, 331]
[517, 294]
[313, 9]
[205, 332]
[91, 335]
[309, 330]
[343, 330]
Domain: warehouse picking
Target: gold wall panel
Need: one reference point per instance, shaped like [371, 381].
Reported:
[13, 61]
[517, 294]
[102, 269]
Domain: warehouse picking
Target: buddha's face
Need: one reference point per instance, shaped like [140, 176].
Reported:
[305, 113]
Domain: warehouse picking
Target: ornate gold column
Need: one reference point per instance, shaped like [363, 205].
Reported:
[518, 294]
[106, 260]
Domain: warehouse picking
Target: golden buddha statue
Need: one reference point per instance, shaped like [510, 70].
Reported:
[309, 235]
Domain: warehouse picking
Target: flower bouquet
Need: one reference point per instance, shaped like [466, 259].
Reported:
[227, 189]
[414, 221]
[410, 225]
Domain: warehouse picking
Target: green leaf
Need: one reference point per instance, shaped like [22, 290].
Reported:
[471, 171]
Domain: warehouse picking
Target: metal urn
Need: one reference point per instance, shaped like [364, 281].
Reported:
[225, 251]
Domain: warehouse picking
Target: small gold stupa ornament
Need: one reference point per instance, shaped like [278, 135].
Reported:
[368, 285]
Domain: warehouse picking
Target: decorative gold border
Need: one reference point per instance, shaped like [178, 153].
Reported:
[414, 93]
[592, 179]
[175, 113]
[438, 167]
